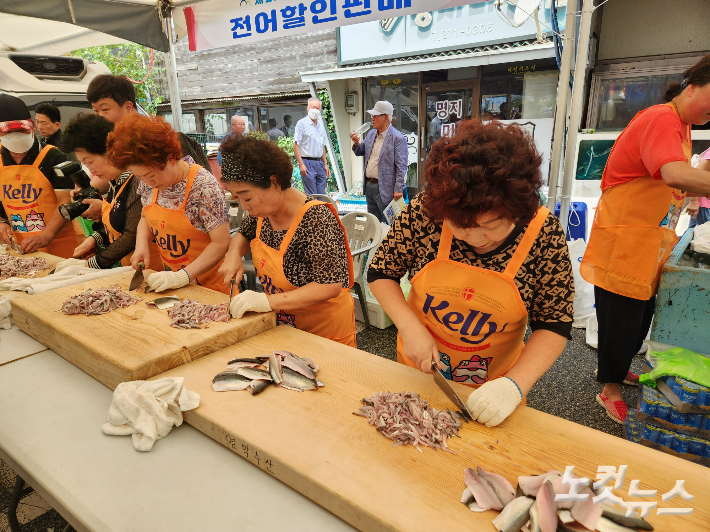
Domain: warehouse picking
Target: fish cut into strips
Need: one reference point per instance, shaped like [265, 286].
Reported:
[191, 314]
[98, 301]
[11, 266]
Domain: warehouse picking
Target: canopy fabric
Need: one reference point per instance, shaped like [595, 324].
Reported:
[135, 22]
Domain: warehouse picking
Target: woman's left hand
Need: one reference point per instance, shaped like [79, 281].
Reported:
[85, 247]
[494, 401]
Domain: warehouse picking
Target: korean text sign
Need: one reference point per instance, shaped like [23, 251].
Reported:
[218, 23]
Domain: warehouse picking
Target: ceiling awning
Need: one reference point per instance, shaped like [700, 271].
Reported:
[488, 55]
[133, 20]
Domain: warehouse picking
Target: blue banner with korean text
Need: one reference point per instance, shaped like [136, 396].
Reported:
[219, 23]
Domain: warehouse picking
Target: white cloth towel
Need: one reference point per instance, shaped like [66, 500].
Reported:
[66, 277]
[701, 240]
[5, 313]
[148, 410]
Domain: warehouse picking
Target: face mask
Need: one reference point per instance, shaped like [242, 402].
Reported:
[18, 142]
[314, 114]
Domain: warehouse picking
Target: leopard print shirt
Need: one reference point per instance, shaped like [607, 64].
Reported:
[544, 280]
[317, 252]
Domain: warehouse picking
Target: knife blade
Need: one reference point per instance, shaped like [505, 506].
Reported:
[445, 387]
[14, 245]
[137, 278]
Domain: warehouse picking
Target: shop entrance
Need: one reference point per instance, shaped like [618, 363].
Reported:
[443, 105]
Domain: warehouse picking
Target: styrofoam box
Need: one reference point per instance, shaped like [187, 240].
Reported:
[378, 317]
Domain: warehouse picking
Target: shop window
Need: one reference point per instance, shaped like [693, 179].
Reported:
[249, 112]
[402, 91]
[188, 122]
[216, 123]
[281, 121]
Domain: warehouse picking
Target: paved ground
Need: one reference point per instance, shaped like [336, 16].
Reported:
[567, 390]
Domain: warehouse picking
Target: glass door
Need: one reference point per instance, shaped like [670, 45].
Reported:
[443, 106]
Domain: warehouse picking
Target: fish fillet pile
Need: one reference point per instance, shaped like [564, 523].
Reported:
[190, 314]
[11, 266]
[533, 506]
[406, 418]
[281, 368]
[98, 301]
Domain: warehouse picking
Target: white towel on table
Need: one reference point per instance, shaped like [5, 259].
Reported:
[66, 277]
[148, 410]
[5, 313]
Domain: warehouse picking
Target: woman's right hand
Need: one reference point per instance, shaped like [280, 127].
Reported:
[419, 346]
[232, 267]
[85, 247]
[141, 254]
[5, 233]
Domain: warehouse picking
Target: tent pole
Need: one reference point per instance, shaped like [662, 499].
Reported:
[331, 151]
[575, 119]
[173, 87]
[561, 109]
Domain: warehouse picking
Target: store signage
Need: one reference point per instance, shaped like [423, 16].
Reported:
[465, 26]
[219, 23]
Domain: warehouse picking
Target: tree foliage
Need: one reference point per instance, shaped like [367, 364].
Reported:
[132, 60]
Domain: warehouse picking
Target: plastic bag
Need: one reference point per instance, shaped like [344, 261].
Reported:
[678, 362]
[583, 291]
[701, 238]
[593, 331]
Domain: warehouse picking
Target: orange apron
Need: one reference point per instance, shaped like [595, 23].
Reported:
[106, 209]
[333, 319]
[633, 233]
[476, 316]
[30, 201]
[178, 241]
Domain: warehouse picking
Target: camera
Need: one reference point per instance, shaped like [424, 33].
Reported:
[76, 208]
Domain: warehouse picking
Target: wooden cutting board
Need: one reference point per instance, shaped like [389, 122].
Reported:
[132, 343]
[312, 442]
[52, 260]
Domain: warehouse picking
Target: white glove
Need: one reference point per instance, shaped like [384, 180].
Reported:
[249, 300]
[161, 281]
[69, 262]
[494, 401]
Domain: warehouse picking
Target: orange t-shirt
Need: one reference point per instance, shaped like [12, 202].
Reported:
[653, 139]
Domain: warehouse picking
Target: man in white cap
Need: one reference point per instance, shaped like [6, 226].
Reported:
[386, 157]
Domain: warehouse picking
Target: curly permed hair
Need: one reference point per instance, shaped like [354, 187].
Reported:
[86, 132]
[142, 141]
[483, 168]
[261, 157]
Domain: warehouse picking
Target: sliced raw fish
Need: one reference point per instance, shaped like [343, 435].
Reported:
[284, 385]
[607, 525]
[534, 518]
[258, 386]
[547, 507]
[586, 512]
[565, 516]
[619, 516]
[228, 381]
[485, 497]
[295, 379]
[467, 497]
[531, 484]
[298, 366]
[252, 360]
[275, 369]
[255, 374]
[502, 488]
[515, 514]
[236, 365]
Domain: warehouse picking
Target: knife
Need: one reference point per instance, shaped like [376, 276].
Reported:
[137, 278]
[15, 246]
[443, 383]
[231, 288]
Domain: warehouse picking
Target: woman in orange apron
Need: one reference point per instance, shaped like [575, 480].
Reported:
[29, 213]
[484, 261]
[117, 216]
[184, 209]
[298, 245]
[643, 186]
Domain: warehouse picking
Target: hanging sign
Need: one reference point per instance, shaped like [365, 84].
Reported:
[219, 23]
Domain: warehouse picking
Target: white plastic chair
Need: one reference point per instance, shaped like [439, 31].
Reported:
[364, 234]
[325, 198]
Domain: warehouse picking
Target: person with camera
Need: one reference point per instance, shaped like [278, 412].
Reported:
[30, 190]
[184, 208]
[116, 225]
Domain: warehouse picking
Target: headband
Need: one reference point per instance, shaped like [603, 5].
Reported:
[17, 125]
[236, 168]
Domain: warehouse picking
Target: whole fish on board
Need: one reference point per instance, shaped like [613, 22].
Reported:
[228, 381]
